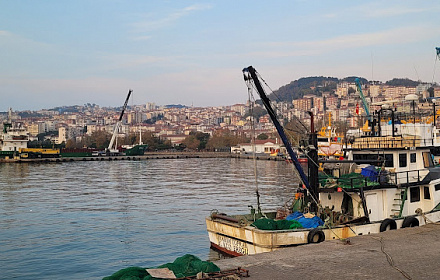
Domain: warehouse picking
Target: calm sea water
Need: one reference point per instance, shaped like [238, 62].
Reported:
[87, 220]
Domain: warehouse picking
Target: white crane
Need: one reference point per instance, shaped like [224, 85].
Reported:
[118, 124]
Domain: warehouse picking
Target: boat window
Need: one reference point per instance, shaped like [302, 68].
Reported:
[427, 160]
[320, 139]
[412, 157]
[365, 157]
[414, 193]
[389, 162]
[437, 187]
[402, 160]
[426, 194]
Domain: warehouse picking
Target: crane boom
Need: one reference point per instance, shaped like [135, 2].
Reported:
[118, 123]
[364, 101]
[249, 74]
[125, 104]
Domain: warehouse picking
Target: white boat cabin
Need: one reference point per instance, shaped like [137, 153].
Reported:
[407, 180]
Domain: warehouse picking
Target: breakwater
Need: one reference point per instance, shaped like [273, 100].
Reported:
[147, 156]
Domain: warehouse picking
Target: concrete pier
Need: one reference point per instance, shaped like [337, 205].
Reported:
[409, 253]
[146, 156]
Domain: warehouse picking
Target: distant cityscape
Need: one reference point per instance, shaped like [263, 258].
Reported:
[176, 122]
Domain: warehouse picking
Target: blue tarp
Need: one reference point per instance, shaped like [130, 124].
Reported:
[370, 172]
[305, 222]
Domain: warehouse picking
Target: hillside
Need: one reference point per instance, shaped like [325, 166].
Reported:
[318, 85]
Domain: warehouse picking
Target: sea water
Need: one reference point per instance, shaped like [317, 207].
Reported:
[87, 220]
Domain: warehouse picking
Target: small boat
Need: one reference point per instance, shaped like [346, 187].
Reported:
[388, 181]
[302, 158]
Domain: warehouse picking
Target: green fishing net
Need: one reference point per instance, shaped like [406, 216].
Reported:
[184, 266]
[270, 224]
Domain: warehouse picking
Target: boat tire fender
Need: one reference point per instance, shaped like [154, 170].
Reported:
[410, 222]
[388, 223]
[316, 235]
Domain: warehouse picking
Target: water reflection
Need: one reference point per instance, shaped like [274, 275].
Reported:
[90, 219]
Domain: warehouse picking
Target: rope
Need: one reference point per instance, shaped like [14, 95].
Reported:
[420, 213]
[251, 109]
[390, 259]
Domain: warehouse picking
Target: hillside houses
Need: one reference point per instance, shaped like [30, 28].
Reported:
[175, 123]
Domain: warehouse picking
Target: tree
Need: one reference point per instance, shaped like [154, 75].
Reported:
[99, 139]
[402, 82]
[191, 142]
[431, 91]
[224, 138]
[70, 143]
[131, 139]
[341, 127]
[257, 112]
[351, 90]
[262, 136]
[296, 131]
[153, 142]
[203, 138]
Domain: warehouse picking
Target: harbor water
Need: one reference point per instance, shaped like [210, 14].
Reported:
[87, 220]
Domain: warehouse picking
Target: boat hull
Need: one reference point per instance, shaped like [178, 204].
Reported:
[235, 240]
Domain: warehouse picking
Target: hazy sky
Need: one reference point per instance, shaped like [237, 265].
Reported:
[59, 52]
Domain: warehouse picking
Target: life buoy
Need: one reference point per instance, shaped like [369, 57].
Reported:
[388, 224]
[315, 236]
[410, 222]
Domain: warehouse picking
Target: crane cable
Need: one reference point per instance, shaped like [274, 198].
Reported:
[252, 86]
[253, 140]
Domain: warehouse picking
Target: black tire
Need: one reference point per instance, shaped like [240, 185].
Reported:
[388, 224]
[315, 236]
[410, 222]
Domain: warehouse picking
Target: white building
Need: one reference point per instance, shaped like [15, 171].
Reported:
[268, 146]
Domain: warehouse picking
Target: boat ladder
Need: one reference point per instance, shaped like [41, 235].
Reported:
[399, 202]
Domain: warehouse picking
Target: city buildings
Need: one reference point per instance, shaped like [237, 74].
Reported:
[175, 123]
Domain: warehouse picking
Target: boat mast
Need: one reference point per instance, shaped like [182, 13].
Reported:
[250, 75]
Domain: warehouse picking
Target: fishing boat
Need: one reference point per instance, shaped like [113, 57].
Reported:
[388, 181]
[330, 143]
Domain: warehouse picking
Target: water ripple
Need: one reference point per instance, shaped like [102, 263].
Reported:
[86, 220]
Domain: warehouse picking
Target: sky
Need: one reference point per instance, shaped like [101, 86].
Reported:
[62, 52]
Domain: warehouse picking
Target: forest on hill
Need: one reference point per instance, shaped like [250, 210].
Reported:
[319, 85]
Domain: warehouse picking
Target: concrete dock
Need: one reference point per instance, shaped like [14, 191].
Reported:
[146, 156]
[410, 253]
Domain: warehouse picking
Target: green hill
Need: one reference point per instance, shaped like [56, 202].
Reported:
[319, 85]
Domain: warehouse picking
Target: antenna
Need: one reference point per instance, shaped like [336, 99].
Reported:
[437, 55]
[418, 78]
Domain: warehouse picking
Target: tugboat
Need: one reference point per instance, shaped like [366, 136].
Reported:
[388, 181]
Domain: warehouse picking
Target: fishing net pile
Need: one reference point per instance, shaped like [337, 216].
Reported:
[271, 224]
[293, 221]
[184, 266]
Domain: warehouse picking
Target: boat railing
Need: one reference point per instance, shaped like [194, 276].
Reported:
[375, 142]
[381, 179]
[406, 178]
